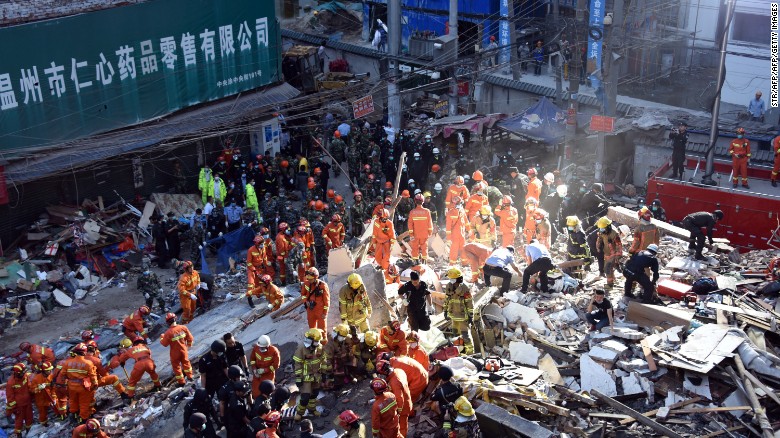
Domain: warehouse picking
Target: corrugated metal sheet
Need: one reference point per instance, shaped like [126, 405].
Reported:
[758, 157]
[204, 119]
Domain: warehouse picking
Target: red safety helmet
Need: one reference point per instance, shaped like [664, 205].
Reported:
[80, 349]
[313, 272]
[45, 366]
[507, 200]
[283, 226]
[335, 218]
[389, 185]
[25, 346]
[435, 168]
[339, 199]
[285, 164]
[384, 214]
[348, 417]
[301, 229]
[93, 425]
[258, 239]
[741, 130]
[170, 317]
[405, 194]
[419, 198]
[319, 206]
[378, 385]
[144, 310]
[337, 133]
[86, 335]
[383, 367]
[19, 368]
[331, 194]
[265, 278]
[311, 203]
[272, 418]
[367, 167]
[93, 346]
[459, 180]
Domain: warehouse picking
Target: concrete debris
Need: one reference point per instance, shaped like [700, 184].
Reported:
[594, 376]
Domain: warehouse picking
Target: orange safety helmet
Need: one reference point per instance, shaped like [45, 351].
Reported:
[285, 164]
[741, 130]
[170, 317]
[335, 218]
[19, 368]
[311, 204]
[531, 171]
[319, 205]
[378, 385]
[25, 346]
[144, 310]
[257, 240]
[331, 194]
[283, 226]
[313, 272]
[80, 349]
[265, 278]
[435, 168]
[477, 176]
[317, 171]
[346, 418]
[389, 185]
[337, 133]
[459, 180]
[339, 199]
[86, 335]
[405, 194]
[384, 214]
[93, 425]
[507, 200]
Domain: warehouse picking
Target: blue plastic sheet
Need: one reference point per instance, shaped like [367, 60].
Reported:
[233, 244]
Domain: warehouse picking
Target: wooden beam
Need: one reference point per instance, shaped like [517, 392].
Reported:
[771, 394]
[566, 392]
[660, 428]
[652, 413]
[758, 411]
[713, 409]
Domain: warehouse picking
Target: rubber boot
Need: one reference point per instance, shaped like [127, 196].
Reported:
[249, 300]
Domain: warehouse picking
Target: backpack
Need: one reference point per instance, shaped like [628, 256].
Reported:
[704, 286]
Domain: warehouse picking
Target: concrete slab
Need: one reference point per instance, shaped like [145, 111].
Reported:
[438, 246]
[703, 387]
[624, 333]
[496, 421]
[634, 364]
[594, 376]
[631, 385]
[603, 354]
[340, 261]
[374, 281]
[550, 368]
[616, 346]
[685, 264]
[493, 312]
[736, 398]
[516, 313]
[523, 353]
[566, 315]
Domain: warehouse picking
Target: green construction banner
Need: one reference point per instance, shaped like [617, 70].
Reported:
[72, 77]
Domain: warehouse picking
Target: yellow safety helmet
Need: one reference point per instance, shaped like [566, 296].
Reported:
[371, 338]
[314, 334]
[603, 222]
[355, 280]
[341, 329]
[572, 221]
[125, 343]
[426, 194]
[485, 210]
[454, 273]
[463, 406]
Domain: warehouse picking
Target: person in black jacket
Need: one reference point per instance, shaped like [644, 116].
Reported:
[694, 223]
[593, 204]
[160, 235]
[679, 139]
[195, 426]
[237, 412]
[415, 292]
[201, 403]
[448, 391]
[634, 272]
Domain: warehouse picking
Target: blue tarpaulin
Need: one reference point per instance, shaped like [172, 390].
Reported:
[231, 244]
[544, 122]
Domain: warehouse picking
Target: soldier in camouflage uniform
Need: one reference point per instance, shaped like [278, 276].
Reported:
[339, 206]
[269, 209]
[197, 237]
[403, 209]
[294, 260]
[358, 213]
[370, 188]
[289, 214]
[353, 163]
[338, 149]
[319, 242]
[149, 285]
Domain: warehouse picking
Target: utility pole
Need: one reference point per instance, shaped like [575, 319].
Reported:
[472, 109]
[394, 43]
[724, 42]
[453, 32]
[513, 61]
[611, 76]
[574, 79]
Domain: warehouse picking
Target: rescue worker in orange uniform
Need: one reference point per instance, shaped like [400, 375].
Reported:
[509, 218]
[283, 245]
[420, 229]
[529, 229]
[384, 412]
[270, 291]
[456, 226]
[417, 351]
[142, 356]
[104, 378]
[776, 168]
[267, 247]
[37, 354]
[179, 339]
[19, 399]
[392, 276]
[399, 385]
[271, 420]
[90, 429]
[81, 376]
[476, 201]
[264, 360]
[416, 374]
[456, 189]
[255, 265]
[383, 238]
[299, 239]
[60, 391]
[476, 254]
[534, 186]
[308, 242]
[543, 227]
[334, 233]
[483, 227]
[478, 177]
[316, 299]
[740, 155]
[43, 393]
[189, 281]
[393, 339]
[135, 324]
[646, 233]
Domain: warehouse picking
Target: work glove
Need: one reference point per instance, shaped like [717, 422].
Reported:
[200, 246]
[270, 306]
[430, 309]
[193, 296]
[146, 295]
[259, 371]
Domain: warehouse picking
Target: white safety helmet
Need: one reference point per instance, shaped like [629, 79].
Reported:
[549, 177]
[435, 150]
[562, 190]
[264, 341]
[437, 186]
